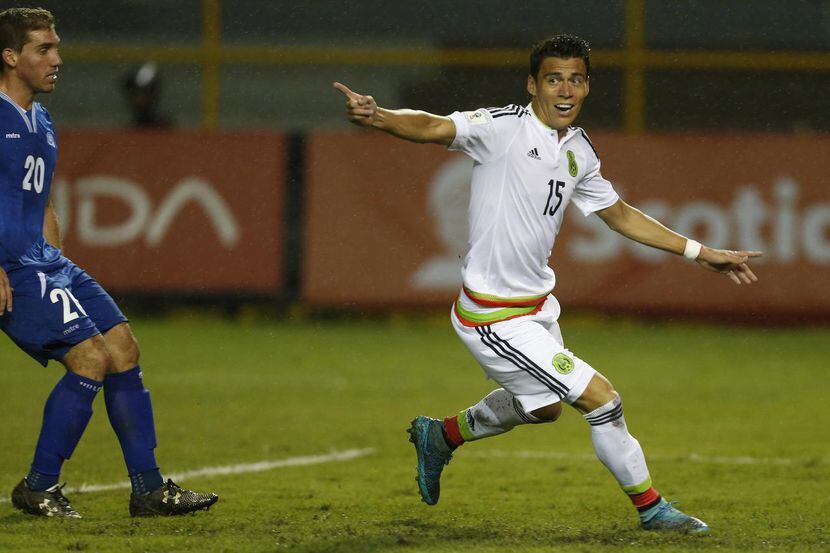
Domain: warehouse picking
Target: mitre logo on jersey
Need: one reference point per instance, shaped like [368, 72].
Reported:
[534, 153]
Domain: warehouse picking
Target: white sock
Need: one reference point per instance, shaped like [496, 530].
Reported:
[496, 414]
[618, 450]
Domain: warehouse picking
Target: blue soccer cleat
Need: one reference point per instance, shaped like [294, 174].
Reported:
[433, 453]
[664, 516]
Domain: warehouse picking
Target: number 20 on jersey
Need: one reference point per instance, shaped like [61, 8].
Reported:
[35, 173]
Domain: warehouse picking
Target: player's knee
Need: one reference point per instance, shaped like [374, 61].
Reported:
[123, 347]
[131, 352]
[548, 413]
[93, 361]
[604, 390]
[598, 393]
[102, 361]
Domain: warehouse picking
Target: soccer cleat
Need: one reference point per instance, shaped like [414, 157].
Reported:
[664, 516]
[46, 503]
[433, 453]
[170, 500]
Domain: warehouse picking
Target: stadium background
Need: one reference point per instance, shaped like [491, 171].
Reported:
[263, 201]
[709, 115]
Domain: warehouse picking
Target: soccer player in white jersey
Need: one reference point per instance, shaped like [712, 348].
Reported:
[529, 164]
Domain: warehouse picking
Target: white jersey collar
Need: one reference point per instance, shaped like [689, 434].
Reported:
[31, 123]
[548, 130]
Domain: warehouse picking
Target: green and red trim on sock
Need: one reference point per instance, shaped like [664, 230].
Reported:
[646, 500]
[452, 433]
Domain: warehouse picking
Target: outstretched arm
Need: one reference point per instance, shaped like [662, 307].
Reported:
[415, 126]
[636, 225]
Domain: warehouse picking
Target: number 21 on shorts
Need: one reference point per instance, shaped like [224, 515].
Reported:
[65, 297]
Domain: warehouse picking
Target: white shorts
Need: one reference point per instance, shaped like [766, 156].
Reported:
[528, 357]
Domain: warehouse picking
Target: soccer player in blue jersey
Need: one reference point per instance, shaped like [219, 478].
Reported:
[51, 308]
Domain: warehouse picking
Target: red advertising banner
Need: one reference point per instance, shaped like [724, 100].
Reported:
[180, 212]
[386, 224]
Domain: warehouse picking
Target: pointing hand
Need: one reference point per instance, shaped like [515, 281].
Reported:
[360, 110]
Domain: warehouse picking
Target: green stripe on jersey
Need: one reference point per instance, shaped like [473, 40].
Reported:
[516, 299]
[495, 316]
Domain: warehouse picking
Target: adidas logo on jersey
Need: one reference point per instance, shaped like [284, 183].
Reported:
[534, 153]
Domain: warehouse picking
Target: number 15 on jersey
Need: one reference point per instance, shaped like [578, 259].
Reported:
[555, 189]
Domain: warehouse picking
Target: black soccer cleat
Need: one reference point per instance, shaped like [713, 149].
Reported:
[46, 503]
[169, 500]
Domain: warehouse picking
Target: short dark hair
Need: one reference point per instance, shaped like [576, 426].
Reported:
[560, 46]
[15, 24]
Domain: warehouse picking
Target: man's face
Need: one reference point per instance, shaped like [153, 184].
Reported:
[38, 63]
[558, 90]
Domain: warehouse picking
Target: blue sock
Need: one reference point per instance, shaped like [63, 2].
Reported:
[131, 416]
[145, 482]
[39, 481]
[65, 416]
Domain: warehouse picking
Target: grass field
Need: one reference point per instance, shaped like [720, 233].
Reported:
[733, 420]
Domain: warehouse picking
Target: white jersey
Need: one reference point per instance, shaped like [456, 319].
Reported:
[524, 177]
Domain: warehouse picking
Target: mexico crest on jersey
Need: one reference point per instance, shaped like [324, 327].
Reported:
[562, 363]
[572, 167]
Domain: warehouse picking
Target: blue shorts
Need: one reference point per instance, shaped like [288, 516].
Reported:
[56, 309]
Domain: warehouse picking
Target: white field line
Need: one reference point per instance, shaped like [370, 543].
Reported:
[242, 468]
[690, 458]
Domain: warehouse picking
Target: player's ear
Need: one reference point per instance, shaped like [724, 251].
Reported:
[587, 85]
[531, 85]
[10, 57]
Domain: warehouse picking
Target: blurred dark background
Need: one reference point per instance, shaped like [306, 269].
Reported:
[712, 113]
[658, 64]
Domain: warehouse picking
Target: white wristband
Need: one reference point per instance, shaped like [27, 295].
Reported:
[692, 249]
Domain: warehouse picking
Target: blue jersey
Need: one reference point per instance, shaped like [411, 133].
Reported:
[28, 153]
[57, 305]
